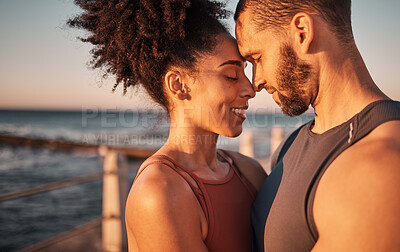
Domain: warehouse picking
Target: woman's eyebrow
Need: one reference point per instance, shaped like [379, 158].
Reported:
[232, 62]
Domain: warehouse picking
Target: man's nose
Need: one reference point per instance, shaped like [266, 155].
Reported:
[259, 84]
[258, 81]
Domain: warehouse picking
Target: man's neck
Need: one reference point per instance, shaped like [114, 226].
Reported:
[345, 89]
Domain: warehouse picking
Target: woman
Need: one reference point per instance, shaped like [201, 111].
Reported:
[188, 196]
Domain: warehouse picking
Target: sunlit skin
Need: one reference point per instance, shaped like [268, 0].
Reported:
[356, 207]
[214, 91]
[164, 214]
[278, 69]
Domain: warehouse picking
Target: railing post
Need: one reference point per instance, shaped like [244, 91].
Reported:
[246, 146]
[111, 224]
[123, 191]
[276, 137]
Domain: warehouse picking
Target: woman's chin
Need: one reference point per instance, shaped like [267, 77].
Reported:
[233, 132]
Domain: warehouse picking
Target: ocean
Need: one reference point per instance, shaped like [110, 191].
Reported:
[28, 220]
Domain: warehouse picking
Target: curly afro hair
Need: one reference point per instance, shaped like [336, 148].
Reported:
[138, 41]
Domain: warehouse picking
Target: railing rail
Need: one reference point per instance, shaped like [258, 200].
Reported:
[77, 231]
[132, 152]
[51, 186]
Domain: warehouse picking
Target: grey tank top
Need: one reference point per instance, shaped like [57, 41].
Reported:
[282, 217]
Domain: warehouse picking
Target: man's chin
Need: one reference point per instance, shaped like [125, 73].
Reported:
[293, 111]
[292, 107]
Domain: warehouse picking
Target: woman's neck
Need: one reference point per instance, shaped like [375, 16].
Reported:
[191, 146]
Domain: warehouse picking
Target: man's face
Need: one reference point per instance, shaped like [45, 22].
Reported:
[276, 67]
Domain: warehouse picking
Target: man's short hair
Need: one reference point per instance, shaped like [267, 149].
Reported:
[275, 14]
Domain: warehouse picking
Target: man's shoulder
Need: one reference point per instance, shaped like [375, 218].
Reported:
[376, 157]
[358, 192]
[389, 129]
[374, 153]
[380, 146]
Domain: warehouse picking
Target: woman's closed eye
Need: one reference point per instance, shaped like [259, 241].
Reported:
[231, 74]
[233, 78]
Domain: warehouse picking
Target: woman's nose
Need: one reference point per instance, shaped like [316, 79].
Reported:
[248, 89]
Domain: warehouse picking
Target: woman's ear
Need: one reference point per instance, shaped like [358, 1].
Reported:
[176, 86]
[302, 31]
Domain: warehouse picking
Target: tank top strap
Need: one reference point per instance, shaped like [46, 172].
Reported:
[172, 164]
[181, 167]
[373, 115]
[249, 186]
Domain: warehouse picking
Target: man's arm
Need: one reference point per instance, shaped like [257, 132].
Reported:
[357, 203]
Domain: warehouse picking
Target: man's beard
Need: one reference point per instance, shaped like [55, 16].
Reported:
[293, 77]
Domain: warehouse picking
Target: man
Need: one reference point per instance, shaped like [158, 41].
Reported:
[335, 182]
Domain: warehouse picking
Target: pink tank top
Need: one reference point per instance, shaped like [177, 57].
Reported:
[226, 204]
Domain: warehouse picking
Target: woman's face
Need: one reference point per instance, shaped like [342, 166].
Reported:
[220, 90]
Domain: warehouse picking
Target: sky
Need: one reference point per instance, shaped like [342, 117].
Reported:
[44, 66]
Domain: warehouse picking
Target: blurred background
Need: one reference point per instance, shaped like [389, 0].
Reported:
[55, 113]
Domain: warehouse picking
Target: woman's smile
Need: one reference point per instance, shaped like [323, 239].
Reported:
[240, 112]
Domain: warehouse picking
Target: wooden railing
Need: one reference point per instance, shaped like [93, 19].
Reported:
[115, 188]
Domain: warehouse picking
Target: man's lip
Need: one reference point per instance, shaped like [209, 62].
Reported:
[270, 90]
[276, 99]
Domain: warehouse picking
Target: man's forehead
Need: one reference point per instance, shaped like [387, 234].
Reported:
[243, 31]
[244, 26]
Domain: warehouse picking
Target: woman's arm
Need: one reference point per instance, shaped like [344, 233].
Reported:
[163, 214]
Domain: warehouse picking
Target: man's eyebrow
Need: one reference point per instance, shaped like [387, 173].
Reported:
[238, 63]
[248, 55]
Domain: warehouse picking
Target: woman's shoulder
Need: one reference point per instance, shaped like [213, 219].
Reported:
[158, 178]
[158, 189]
[249, 167]
[159, 204]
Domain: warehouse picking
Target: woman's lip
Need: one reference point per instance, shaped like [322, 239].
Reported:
[242, 116]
